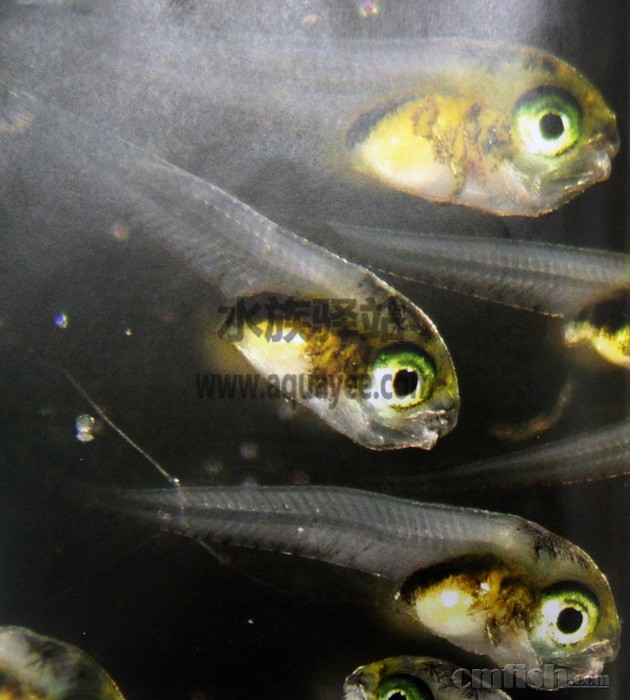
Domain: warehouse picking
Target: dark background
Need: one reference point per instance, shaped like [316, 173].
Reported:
[164, 617]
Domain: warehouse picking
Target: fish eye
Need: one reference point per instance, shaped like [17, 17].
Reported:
[548, 121]
[402, 376]
[403, 687]
[567, 615]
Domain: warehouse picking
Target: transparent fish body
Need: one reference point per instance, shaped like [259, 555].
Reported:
[598, 454]
[506, 129]
[388, 379]
[587, 287]
[493, 584]
[553, 279]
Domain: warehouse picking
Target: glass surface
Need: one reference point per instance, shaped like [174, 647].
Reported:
[131, 323]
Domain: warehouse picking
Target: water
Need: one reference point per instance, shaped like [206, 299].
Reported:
[130, 323]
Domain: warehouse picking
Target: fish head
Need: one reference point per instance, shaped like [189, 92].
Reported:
[413, 678]
[401, 389]
[35, 666]
[573, 624]
[564, 138]
[548, 611]
[603, 327]
[509, 130]
[374, 366]
[574, 630]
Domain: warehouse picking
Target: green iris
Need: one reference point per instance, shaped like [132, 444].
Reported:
[402, 376]
[403, 688]
[567, 615]
[548, 121]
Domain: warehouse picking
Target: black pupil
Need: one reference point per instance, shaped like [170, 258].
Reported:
[405, 382]
[570, 620]
[551, 125]
[398, 695]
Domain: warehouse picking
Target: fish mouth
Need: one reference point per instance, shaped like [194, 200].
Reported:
[435, 424]
[422, 430]
[608, 141]
[544, 192]
[437, 419]
[355, 688]
[592, 168]
[601, 164]
[590, 662]
[595, 165]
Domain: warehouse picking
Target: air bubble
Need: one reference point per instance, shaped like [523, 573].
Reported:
[368, 8]
[249, 450]
[85, 426]
[121, 232]
[62, 320]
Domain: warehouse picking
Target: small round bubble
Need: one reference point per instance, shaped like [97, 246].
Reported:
[310, 20]
[368, 8]
[249, 450]
[84, 426]
[121, 232]
[62, 320]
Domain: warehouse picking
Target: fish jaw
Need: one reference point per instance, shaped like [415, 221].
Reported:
[591, 661]
[534, 190]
